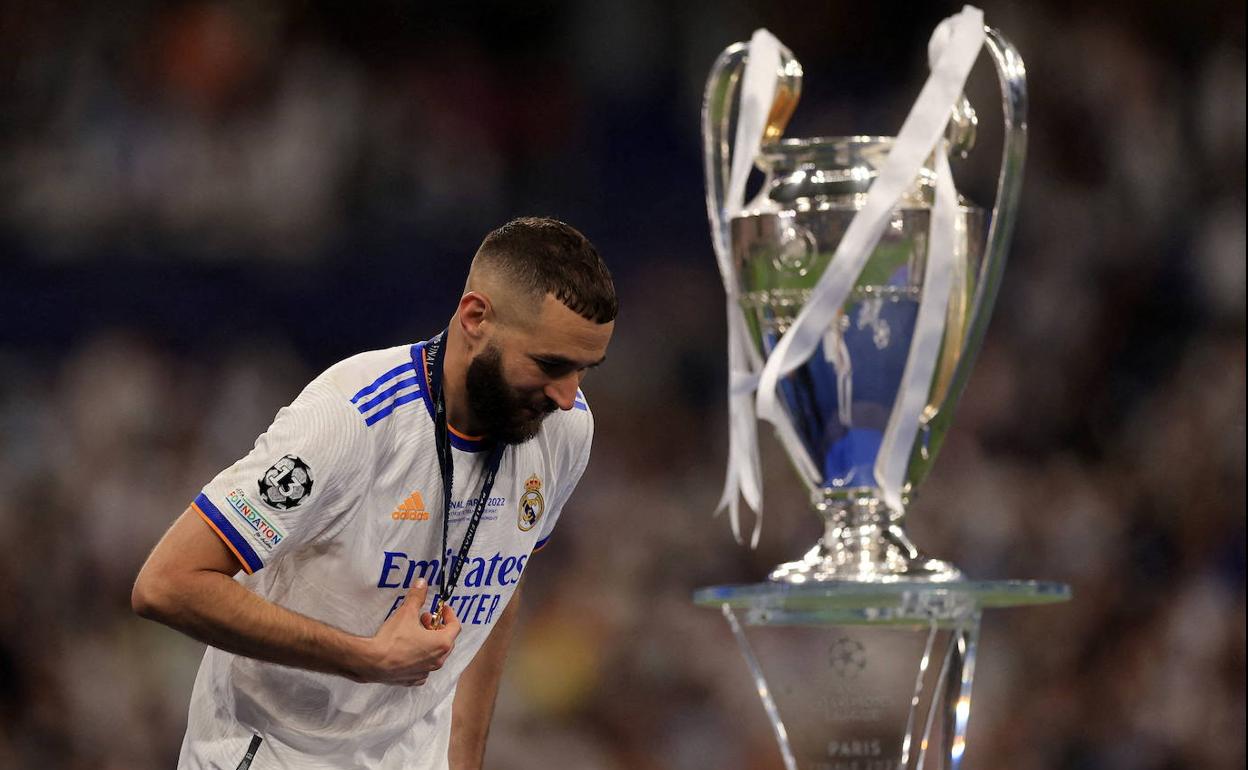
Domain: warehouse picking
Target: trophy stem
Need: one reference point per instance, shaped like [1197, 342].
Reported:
[958, 712]
[863, 542]
[957, 672]
[907, 742]
[764, 692]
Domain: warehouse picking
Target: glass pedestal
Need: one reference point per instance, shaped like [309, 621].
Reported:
[859, 676]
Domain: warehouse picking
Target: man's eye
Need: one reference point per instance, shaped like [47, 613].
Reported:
[549, 367]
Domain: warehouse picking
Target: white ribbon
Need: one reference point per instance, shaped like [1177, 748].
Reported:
[744, 475]
[954, 46]
[929, 327]
[758, 92]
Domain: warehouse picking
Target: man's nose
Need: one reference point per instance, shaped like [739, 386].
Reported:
[563, 390]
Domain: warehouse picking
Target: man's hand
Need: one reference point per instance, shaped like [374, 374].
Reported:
[407, 647]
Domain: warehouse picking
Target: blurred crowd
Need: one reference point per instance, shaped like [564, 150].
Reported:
[205, 203]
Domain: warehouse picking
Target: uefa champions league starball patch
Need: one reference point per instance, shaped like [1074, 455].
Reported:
[531, 504]
[286, 484]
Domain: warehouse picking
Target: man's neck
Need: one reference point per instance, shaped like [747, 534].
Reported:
[454, 381]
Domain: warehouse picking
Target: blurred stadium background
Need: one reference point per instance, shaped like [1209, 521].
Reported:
[205, 203]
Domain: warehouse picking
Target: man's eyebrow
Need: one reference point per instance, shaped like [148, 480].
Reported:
[557, 360]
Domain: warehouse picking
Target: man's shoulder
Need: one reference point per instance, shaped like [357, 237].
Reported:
[357, 372]
[565, 441]
[376, 382]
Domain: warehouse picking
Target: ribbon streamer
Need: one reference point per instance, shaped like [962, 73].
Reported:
[916, 381]
[744, 475]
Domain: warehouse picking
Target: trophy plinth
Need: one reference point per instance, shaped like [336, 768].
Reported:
[857, 676]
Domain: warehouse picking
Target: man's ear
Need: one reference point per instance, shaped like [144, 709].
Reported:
[476, 317]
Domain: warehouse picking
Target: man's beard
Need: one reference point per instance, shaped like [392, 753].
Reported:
[498, 408]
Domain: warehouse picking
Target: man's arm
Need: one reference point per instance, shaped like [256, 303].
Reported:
[187, 584]
[478, 686]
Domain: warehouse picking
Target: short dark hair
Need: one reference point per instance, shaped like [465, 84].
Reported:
[546, 256]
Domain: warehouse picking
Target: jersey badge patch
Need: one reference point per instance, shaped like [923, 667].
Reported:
[531, 504]
[411, 509]
[263, 530]
[286, 484]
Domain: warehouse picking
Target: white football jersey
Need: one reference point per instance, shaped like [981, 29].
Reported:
[334, 513]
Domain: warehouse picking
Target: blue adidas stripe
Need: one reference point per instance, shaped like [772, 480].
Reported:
[388, 392]
[381, 414]
[383, 379]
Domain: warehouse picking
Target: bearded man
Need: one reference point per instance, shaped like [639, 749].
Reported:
[356, 575]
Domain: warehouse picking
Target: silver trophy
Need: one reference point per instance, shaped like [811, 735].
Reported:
[817, 635]
[814, 188]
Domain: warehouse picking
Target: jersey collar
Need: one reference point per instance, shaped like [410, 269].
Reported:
[459, 439]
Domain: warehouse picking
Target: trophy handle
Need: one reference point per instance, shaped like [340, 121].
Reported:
[719, 112]
[718, 106]
[1013, 78]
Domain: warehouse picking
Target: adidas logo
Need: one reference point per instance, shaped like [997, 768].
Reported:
[411, 509]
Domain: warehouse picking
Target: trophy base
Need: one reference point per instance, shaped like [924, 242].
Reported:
[863, 542]
[859, 676]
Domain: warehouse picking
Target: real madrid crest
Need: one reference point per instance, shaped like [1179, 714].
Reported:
[531, 503]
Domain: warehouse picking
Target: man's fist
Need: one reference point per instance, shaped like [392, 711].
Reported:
[407, 647]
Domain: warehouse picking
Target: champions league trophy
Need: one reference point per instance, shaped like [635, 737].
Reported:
[859, 288]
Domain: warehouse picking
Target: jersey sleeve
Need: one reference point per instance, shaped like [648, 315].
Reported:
[299, 483]
[575, 460]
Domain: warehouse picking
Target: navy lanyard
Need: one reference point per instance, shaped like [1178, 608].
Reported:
[434, 357]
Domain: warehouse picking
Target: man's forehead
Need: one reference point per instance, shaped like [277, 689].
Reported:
[560, 332]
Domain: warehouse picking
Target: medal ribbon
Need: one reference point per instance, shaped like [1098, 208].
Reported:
[435, 351]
